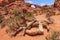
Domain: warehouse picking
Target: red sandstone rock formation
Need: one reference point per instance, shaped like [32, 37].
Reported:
[5, 2]
[57, 3]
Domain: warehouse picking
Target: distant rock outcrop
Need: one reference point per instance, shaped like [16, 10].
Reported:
[57, 3]
[5, 2]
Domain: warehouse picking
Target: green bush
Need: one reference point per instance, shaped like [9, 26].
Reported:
[46, 10]
[54, 36]
[50, 14]
[7, 21]
[16, 18]
[6, 10]
[17, 12]
[28, 14]
[1, 18]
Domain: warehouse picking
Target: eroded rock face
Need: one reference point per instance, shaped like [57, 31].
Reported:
[28, 4]
[57, 3]
[5, 2]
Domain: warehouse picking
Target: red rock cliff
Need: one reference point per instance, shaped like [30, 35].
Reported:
[57, 3]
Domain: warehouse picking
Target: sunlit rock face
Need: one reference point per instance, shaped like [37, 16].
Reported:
[57, 3]
[28, 4]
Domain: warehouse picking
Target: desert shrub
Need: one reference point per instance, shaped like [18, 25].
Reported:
[50, 14]
[54, 36]
[7, 30]
[7, 21]
[11, 27]
[35, 11]
[28, 14]
[6, 10]
[17, 12]
[16, 18]
[46, 10]
[18, 15]
[1, 18]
